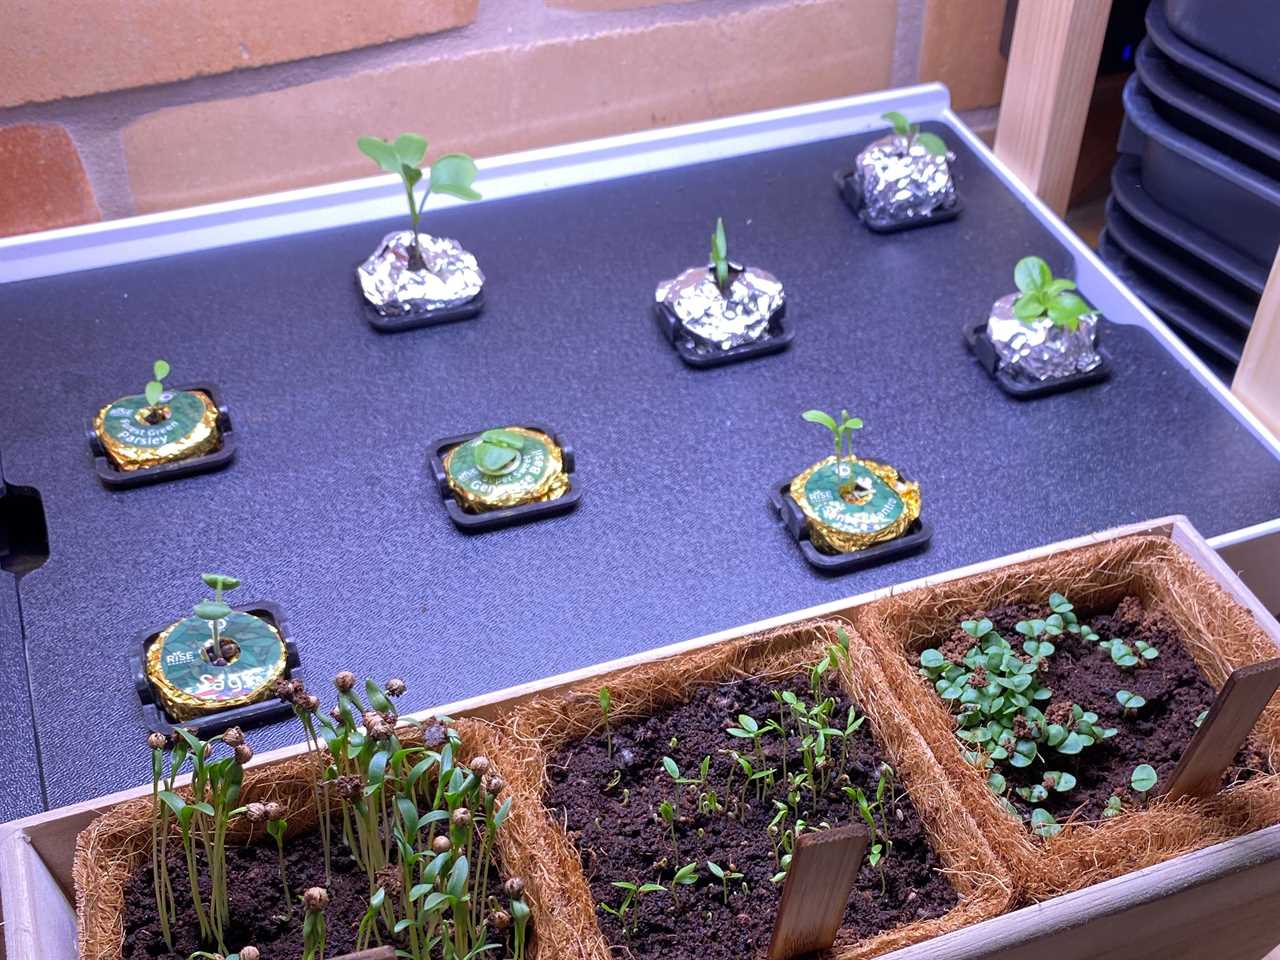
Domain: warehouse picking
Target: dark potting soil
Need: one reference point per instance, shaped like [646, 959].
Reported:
[1083, 673]
[255, 894]
[610, 805]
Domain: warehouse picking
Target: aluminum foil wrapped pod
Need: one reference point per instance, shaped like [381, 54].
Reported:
[722, 320]
[451, 276]
[1039, 350]
[901, 181]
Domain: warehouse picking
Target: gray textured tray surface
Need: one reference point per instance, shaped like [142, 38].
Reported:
[20, 785]
[330, 509]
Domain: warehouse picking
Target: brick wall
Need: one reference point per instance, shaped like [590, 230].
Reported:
[120, 107]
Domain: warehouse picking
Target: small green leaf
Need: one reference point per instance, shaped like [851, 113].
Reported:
[410, 149]
[212, 610]
[933, 143]
[453, 174]
[932, 659]
[493, 459]
[1130, 700]
[380, 152]
[1028, 307]
[1031, 273]
[817, 416]
[219, 581]
[152, 392]
[901, 126]
[1143, 777]
[669, 765]
[1043, 823]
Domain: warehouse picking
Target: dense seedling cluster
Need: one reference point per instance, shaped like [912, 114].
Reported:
[1006, 715]
[420, 823]
[796, 755]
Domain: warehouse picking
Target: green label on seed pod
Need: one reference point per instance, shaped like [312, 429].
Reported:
[123, 420]
[829, 491]
[526, 471]
[186, 665]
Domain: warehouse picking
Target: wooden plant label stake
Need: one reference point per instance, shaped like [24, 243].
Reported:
[824, 866]
[1223, 730]
[386, 952]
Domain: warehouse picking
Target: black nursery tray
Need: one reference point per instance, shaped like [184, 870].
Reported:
[155, 717]
[325, 511]
[117, 479]
[776, 340]
[417, 319]
[509, 516]
[847, 186]
[979, 344]
[792, 517]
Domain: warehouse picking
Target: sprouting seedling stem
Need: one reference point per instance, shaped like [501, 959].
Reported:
[452, 173]
[839, 429]
[155, 386]
[216, 610]
[606, 704]
[720, 255]
[933, 143]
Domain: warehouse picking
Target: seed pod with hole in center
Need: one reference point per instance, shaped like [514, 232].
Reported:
[244, 753]
[441, 845]
[307, 702]
[275, 811]
[336, 715]
[479, 766]
[345, 681]
[395, 687]
[255, 812]
[494, 784]
[434, 735]
[460, 817]
[501, 919]
[315, 899]
[157, 740]
[513, 888]
[286, 690]
[233, 736]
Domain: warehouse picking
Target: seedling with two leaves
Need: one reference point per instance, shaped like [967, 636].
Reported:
[452, 173]
[1042, 294]
[154, 390]
[497, 452]
[911, 132]
[214, 611]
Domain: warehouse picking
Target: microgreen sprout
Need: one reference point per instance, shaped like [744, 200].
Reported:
[1200, 717]
[684, 877]
[839, 429]
[1042, 295]
[720, 256]
[1113, 808]
[314, 901]
[154, 390]
[1043, 823]
[276, 827]
[911, 132]
[452, 173]
[632, 892]
[1143, 777]
[213, 612]
[725, 875]
[606, 704]
[667, 814]
[161, 881]
[1130, 701]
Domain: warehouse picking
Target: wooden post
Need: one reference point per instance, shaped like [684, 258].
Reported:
[1240, 701]
[824, 866]
[385, 952]
[1257, 379]
[1053, 63]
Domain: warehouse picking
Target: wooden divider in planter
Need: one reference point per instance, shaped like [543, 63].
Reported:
[1227, 895]
[1170, 578]
[535, 730]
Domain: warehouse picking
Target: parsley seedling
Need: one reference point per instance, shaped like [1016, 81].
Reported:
[720, 256]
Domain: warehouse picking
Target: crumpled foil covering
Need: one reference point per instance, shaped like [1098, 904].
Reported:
[722, 321]
[843, 527]
[901, 183]
[1039, 350]
[451, 278]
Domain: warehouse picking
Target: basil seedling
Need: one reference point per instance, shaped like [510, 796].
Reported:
[933, 143]
[1042, 295]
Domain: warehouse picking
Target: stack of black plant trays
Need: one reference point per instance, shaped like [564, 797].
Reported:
[1193, 221]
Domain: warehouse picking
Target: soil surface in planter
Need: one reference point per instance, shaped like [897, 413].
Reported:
[1083, 673]
[610, 804]
[255, 897]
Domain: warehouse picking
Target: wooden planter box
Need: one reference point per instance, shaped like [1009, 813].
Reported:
[1227, 895]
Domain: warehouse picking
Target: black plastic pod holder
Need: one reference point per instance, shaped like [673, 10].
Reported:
[506, 516]
[211, 724]
[117, 479]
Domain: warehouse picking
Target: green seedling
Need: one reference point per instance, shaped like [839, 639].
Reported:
[686, 876]
[667, 814]
[933, 143]
[1042, 295]
[1131, 701]
[606, 704]
[720, 256]
[1113, 808]
[1043, 823]
[632, 892]
[520, 916]
[1143, 777]
[497, 452]
[1200, 717]
[839, 429]
[452, 173]
[276, 830]
[154, 390]
[213, 612]
[314, 902]
[725, 875]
